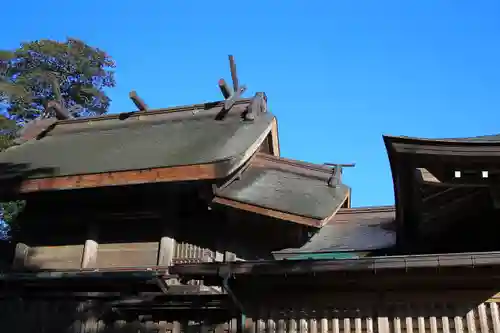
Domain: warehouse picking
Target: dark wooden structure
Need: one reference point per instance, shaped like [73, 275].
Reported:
[440, 186]
[188, 219]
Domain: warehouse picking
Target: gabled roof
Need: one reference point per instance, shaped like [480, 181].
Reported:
[284, 189]
[176, 144]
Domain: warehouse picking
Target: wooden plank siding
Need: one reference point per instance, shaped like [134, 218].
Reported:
[65, 316]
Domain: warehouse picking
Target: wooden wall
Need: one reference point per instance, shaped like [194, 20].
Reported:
[433, 317]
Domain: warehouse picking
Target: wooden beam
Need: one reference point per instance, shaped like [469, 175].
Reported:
[275, 143]
[156, 175]
[347, 203]
[47, 257]
[139, 102]
[234, 74]
[274, 213]
[464, 202]
[225, 89]
[138, 254]
[438, 194]
[425, 176]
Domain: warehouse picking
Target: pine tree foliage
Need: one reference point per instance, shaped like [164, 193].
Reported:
[71, 73]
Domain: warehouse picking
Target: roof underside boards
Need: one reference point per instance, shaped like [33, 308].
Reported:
[353, 230]
[431, 199]
[299, 190]
[142, 140]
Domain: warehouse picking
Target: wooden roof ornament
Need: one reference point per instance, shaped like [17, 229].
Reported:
[54, 111]
[336, 178]
[58, 109]
[231, 95]
[138, 101]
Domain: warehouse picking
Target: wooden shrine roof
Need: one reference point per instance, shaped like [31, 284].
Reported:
[284, 189]
[441, 182]
[350, 230]
[176, 144]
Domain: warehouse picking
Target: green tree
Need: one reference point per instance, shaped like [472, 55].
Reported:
[70, 72]
[70, 76]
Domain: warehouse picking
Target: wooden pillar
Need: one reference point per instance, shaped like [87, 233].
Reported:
[383, 325]
[166, 251]
[89, 258]
[20, 255]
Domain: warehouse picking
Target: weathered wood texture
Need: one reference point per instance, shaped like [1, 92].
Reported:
[165, 252]
[284, 189]
[153, 175]
[189, 253]
[442, 317]
[127, 254]
[54, 257]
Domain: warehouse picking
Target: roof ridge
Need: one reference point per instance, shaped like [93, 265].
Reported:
[182, 108]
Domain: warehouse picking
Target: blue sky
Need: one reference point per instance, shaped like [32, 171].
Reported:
[425, 68]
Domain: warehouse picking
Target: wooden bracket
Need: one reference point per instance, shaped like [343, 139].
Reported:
[139, 102]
